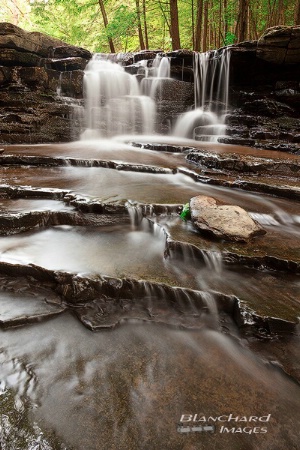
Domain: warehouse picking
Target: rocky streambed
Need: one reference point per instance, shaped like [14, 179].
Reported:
[91, 231]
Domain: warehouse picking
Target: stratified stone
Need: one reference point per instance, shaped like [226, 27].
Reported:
[266, 107]
[13, 37]
[12, 57]
[280, 45]
[228, 222]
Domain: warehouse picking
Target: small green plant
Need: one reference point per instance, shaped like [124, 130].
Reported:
[185, 213]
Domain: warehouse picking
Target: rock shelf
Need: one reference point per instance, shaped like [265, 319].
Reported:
[274, 252]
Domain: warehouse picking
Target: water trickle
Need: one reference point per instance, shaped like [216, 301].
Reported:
[211, 72]
[59, 85]
[136, 215]
[162, 67]
[213, 260]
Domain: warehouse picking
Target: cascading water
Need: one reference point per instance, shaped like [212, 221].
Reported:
[151, 85]
[116, 104]
[211, 82]
[161, 66]
[113, 101]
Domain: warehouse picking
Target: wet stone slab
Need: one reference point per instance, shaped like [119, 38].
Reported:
[22, 205]
[14, 223]
[128, 388]
[24, 301]
[109, 151]
[234, 162]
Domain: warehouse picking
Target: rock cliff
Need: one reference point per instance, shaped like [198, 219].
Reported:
[34, 69]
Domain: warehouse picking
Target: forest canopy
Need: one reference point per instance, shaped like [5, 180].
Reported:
[115, 26]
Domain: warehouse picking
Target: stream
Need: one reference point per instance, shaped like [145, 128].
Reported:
[121, 326]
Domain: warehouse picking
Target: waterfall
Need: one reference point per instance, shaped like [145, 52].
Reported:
[113, 101]
[211, 82]
[116, 104]
[152, 84]
[162, 66]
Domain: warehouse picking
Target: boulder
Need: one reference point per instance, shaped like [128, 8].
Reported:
[268, 107]
[227, 222]
[13, 37]
[280, 45]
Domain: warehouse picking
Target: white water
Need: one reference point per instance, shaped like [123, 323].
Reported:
[211, 83]
[113, 101]
[152, 84]
[116, 104]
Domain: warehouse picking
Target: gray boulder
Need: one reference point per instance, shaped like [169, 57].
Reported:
[227, 222]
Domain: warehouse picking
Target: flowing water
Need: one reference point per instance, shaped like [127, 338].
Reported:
[177, 359]
[207, 121]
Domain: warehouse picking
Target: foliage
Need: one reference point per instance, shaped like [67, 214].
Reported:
[185, 213]
[80, 22]
[230, 38]
[122, 27]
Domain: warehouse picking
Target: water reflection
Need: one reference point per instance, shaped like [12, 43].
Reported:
[114, 250]
[128, 388]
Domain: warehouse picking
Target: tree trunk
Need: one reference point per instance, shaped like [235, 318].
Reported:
[145, 25]
[174, 25]
[253, 34]
[105, 21]
[297, 13]
[193, 25]
[271, 21]
[225, 19]
[220, 24]
[198, 32]
[281, 18]
[242, 24]
[205, 23]
[138, 15]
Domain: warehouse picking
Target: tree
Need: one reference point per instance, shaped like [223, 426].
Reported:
[174, 25]
[140, 31]
[297, 13]
[242, 21]
[205, 26]
[198, 32]
[145, 24]
[105, 21]
[112, 26]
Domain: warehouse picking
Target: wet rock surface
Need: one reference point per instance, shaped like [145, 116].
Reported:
[136, 370]
[280, 45]
[228, 222]
[93, 233]
[23, 302]
[34, 68]
[267, 94]
[79, 210]
[148, 311]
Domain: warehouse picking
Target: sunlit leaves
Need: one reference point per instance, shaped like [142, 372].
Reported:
[80, 22]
